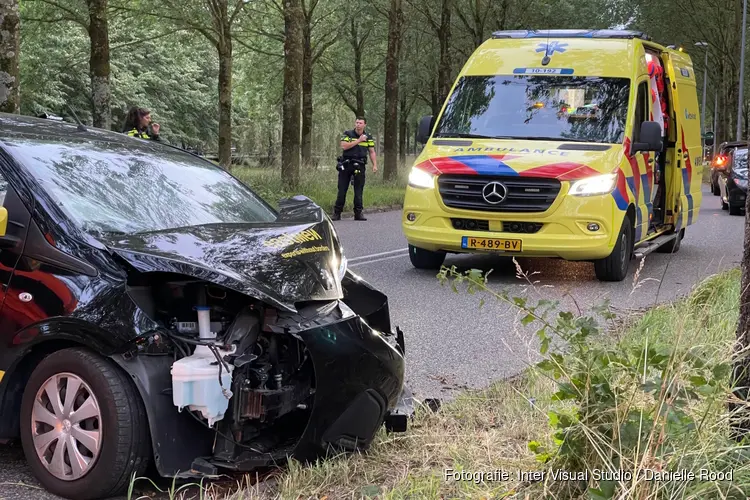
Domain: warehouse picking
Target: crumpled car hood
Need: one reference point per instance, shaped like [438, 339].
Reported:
[293, 260]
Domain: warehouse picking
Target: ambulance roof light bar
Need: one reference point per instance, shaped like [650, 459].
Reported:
[621, 34]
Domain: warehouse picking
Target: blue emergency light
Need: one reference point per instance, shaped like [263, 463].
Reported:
[625, 34]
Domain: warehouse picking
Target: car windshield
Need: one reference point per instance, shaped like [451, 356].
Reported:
[566, 108]
[109, 187]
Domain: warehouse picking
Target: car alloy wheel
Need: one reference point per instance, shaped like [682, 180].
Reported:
[66, 426]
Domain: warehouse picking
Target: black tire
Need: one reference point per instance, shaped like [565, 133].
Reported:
[615, 266]
[674, 245]
[425, 259]
[125, 444]
[735, 209]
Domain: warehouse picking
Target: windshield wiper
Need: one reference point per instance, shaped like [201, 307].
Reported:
[509, 137]
[558, 139]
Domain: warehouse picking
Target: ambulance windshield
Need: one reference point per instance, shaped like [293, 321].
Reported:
[579, 109]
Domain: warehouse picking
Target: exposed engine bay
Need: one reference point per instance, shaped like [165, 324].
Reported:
[241, 367]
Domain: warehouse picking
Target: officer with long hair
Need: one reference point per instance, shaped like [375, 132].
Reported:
[138, 124]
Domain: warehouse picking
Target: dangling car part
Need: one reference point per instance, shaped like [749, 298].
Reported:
[155, 309]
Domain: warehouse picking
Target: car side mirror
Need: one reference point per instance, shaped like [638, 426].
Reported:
[649, 138]
[425, 129]
[3, 221]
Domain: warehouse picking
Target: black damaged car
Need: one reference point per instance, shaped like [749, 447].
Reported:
[155, 310]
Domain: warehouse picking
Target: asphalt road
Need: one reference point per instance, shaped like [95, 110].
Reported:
[450, 342]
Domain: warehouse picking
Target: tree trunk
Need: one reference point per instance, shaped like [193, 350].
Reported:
[390, 139]
[402, 131]
[360, 89]
[99, 63]
[479, 23]
[293, 56]
[225, 104]
[10, 22]
[444, 35]
[221, 19]
[307, 94]
[408, 138]
[719, 133]
[415, 142]
[436, 101]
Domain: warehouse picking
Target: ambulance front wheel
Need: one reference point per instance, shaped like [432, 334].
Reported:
[425, 259]
[615, 266]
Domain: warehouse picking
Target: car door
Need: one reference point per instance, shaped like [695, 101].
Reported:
[688, 137]
[11, 247]
[641, 178]
[11, 244]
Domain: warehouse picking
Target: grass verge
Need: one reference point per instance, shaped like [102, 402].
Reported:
[671, 417]
[321, 186]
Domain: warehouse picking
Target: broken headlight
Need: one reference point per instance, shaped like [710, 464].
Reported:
[342, 266]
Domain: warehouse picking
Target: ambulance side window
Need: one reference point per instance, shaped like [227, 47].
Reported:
[641, 110]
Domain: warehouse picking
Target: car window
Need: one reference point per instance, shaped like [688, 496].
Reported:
[117, 188]
[641, 111]
[3, 189]
[739, 161]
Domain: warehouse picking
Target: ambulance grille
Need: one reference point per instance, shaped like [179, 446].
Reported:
[524, 194]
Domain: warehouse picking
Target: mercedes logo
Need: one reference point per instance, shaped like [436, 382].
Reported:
[494, 192]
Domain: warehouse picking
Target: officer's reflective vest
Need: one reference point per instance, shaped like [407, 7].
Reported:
[141, 135]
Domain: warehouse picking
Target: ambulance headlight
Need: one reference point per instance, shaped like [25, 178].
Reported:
[418, 178]
[600, 184]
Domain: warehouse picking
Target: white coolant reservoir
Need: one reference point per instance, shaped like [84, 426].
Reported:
[195, 378]
[195, 384]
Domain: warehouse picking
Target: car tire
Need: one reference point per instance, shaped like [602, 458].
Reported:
[118, 429]
[425, 259]
[615, 266]
[674, 245]
[735, 209]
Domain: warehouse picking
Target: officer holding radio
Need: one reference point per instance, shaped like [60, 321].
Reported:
[357, 144]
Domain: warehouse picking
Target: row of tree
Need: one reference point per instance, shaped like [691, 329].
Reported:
[270, 76]
[711, 32]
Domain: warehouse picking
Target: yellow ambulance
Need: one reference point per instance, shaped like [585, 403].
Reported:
[574, 144]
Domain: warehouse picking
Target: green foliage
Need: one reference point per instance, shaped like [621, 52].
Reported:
[174, 71]
[628, 405]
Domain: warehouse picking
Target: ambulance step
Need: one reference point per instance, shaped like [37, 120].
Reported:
[652, 245]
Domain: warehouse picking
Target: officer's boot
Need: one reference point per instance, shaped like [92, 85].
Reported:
[359, 216]
[336, 216]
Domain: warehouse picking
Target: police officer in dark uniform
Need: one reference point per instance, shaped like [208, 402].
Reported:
[357, 144]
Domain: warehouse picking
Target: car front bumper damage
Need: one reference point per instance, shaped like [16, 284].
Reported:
[358, 387]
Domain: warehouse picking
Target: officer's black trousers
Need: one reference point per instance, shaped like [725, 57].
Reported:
[345, 178]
